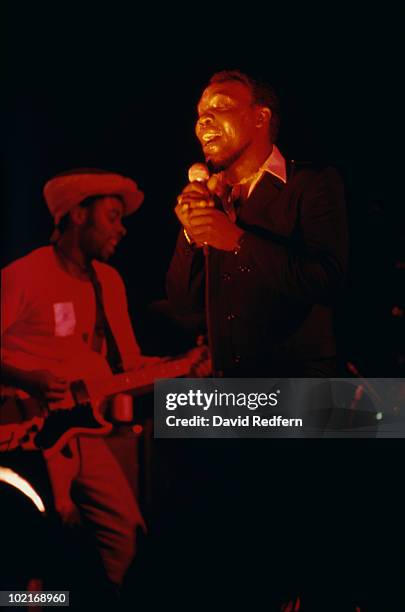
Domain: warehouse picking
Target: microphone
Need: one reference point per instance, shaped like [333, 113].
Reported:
[198, 172]
[217, 185]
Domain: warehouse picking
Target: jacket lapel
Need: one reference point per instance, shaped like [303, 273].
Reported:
[263, 207]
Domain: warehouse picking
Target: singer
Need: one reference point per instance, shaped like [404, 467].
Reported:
[264, 245]
[276, 235]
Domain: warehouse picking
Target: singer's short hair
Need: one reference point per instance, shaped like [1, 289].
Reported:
[262, 94]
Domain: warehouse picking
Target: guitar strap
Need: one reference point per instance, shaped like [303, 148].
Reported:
[103, 329]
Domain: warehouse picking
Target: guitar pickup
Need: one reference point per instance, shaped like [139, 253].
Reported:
[79, 392]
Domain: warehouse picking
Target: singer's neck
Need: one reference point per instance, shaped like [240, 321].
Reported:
[248, 164]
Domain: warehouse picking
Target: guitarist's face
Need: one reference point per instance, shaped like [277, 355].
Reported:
[103, 228]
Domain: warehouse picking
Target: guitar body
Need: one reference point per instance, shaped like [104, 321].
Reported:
[26, 422]
[82, 410]
[31, 424]
[20, 420]
[63, 424]
[48, 433]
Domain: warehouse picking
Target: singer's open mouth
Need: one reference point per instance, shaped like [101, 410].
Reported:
[211, 144]
[209, 136]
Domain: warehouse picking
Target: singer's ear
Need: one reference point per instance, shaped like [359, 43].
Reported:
[263, 116]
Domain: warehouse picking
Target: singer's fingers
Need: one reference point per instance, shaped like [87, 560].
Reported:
[201, 204]
[201, 213]
[192, 196]
[186, 206]
[200, 223]
[196, 188]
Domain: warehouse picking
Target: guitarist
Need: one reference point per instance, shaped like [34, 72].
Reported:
[62, 305]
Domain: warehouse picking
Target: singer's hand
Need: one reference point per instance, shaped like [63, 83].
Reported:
[195, 196]
[213, 227]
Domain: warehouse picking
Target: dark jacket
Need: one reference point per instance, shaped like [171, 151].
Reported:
[271, 304]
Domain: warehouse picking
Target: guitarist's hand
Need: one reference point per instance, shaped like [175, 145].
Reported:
[201, 365]
[45, 386]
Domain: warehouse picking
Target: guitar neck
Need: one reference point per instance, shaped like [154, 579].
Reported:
[141, 381]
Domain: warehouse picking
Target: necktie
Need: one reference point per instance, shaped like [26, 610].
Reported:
[231, 196]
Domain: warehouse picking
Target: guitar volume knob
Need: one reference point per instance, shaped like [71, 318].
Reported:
[122, 408]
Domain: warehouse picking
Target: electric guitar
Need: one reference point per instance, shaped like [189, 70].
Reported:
[31, 424]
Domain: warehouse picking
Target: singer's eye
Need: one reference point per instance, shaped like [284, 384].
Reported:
[221, 103]
[222, 107]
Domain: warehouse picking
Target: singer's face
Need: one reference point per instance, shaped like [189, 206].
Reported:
[226, 125]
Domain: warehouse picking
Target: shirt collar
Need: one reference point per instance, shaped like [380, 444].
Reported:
[275, 164]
